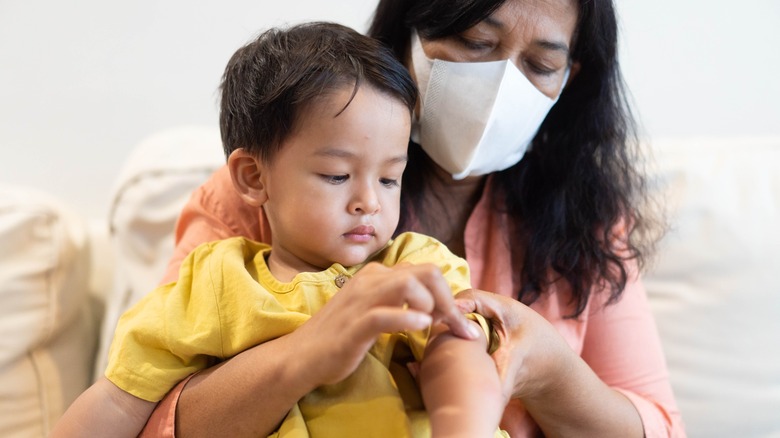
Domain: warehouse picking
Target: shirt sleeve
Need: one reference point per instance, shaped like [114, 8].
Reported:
[169, 334]
[623, 348]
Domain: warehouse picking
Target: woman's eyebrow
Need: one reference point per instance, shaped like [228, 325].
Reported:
[558, 46]
[494, 23]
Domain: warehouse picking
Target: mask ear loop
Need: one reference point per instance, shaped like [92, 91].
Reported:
[421, 65]
[565, 81]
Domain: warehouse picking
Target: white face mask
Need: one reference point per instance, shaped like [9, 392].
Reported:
[475, 117]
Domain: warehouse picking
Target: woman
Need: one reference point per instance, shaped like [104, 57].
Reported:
[544, 205]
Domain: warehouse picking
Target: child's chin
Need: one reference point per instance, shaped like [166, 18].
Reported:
[355, 258]
[352, 261]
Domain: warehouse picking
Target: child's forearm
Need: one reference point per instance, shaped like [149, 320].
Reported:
[460, 387]
[104, 410]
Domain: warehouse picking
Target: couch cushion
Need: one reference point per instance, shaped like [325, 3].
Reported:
[714, 286]
[47, 332]
[152, 188]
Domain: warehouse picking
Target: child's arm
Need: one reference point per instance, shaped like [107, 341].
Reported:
[460, 387]
[104, 410]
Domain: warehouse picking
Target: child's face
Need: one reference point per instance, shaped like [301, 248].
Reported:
[333, 190]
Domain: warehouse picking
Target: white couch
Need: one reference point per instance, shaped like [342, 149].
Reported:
[711, 287]
[714, 288]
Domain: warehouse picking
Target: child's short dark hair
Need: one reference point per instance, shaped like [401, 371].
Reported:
[269, 82]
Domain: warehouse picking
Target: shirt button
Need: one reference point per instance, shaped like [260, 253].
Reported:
[340, 280]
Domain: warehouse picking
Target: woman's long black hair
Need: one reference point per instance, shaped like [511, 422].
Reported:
[579, 185]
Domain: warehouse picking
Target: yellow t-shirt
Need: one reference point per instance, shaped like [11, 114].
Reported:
[227, 301]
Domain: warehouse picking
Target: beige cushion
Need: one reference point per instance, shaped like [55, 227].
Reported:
[47, 332]
[153, 186]
[715, 288]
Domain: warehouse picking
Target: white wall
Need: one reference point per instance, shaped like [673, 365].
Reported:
[703, 66]
[82, 82]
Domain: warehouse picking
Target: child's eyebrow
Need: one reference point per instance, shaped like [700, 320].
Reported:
[341, 153]
[398, 159]
[334, 153]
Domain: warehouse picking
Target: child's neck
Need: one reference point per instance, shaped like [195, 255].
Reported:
[285, 271]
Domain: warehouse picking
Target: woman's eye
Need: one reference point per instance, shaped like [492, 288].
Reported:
[472, 44]
[541, 70]
[388, 182]
[335, 179]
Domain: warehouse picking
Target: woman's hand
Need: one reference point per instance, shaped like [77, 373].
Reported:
[536, 366]
[531, 357]
[379, 299]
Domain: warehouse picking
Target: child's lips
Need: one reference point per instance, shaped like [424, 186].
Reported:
[362, 233]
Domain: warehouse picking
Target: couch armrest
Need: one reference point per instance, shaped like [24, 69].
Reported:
[48, 331]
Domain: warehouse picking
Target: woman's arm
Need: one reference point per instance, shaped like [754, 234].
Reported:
[557, 388]
[623, 348]
[460, 387]
[225, 400]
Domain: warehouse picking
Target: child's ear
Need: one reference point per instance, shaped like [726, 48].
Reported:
[247, 173]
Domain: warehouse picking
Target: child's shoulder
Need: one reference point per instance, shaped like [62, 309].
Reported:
[416, 248]
[409, 245]
[219, 258]
[231, 244]
[238, 248]
[414, 238]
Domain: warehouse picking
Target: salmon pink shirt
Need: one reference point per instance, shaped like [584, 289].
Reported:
[619, 341]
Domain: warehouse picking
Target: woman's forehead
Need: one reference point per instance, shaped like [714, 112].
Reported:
[549, 20]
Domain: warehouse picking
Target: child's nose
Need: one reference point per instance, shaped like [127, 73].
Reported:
[365, 202]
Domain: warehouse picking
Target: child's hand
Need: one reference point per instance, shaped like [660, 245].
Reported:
[445, 310]
[379, 299]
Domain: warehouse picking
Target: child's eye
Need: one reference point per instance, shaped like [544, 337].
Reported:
[388, 182]
[335, 179]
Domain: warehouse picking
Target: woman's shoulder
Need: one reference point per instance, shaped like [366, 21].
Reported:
[218, 204]
[215, 211]
[217, 194]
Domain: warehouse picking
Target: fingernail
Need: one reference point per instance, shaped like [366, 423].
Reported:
[474, 331]
[422, 320]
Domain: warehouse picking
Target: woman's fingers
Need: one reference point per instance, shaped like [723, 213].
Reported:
[487, 304]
